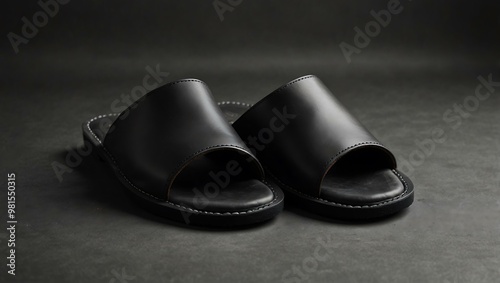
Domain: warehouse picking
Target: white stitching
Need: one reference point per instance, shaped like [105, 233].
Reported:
[234, 103]
[347, 205]
[174, 204]
[292, 82]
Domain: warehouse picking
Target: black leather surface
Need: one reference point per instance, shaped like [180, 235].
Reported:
[303, 131]
[157, 137]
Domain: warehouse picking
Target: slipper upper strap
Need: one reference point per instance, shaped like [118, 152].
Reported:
[161, 133]
[300, 130]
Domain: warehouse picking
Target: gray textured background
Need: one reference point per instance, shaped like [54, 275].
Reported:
[86, 229]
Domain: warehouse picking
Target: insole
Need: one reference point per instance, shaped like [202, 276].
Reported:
[220, 181]
[361, 177]
[359, 188]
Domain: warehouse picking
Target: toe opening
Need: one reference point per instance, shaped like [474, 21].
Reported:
[362, 176]
[221, 181]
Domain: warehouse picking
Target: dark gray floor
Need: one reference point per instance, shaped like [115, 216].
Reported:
[84, 228]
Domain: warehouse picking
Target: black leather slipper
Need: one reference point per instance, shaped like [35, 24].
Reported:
[320, 155]
[177, 155]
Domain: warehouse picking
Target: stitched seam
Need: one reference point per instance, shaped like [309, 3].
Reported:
[347, 205]
[234, 103]
[174, 204]
[291, 83]
[185, 80]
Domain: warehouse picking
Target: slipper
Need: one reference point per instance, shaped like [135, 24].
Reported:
[322, 157]
[176, 154]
